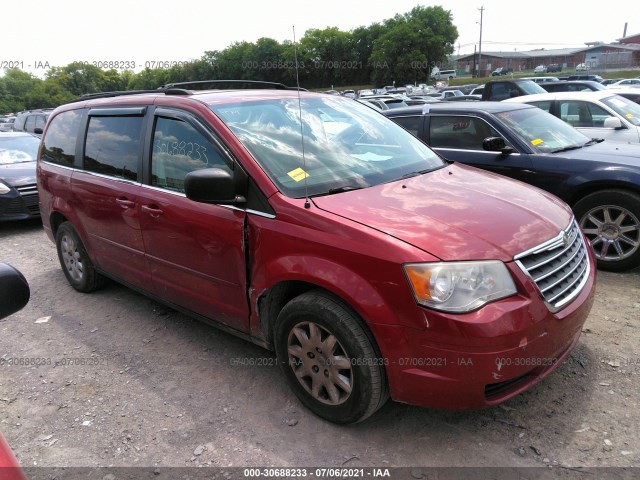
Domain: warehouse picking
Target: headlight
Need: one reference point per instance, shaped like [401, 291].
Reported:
[459, 286]
[4, 188]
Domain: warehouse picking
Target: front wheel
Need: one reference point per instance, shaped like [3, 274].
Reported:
[329, 359]
[611, 222]
[75, 261]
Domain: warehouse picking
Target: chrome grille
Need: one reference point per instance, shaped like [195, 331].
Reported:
[559, 267]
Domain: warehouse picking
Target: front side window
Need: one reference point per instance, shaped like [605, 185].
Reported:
[458, 131]
[340, 144]
[59, 144]
[113, 146]
[178, 148]
[582, 114]
[30, 124]
[40, 121]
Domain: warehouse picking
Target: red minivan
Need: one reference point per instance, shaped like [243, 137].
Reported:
[312, 225]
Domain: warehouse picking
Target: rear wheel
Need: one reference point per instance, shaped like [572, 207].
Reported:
[329, 359]
[75, 261]
[611, 222]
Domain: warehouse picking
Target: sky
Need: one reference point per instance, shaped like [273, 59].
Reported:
[47, 33]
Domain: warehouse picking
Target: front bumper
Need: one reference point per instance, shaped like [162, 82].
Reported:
[17, 206]
[485, 357]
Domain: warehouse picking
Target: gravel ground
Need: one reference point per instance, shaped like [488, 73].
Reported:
[126, 382]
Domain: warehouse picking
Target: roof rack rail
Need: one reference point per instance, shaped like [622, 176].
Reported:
[119, 93]
[178, 88]
[228, 84]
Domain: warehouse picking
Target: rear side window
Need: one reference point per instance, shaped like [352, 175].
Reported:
[178, 148]
[59, 145]
[113, 146]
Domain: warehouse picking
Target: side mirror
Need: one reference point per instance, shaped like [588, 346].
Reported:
[613, 122]
[15, 290]
[213, 185]
[497, 144]
[38, 131]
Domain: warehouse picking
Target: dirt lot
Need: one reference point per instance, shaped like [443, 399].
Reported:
[125, 382]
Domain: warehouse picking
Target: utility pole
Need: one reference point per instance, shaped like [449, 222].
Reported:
[480, 45]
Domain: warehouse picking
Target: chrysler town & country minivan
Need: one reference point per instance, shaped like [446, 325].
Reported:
[311, 225]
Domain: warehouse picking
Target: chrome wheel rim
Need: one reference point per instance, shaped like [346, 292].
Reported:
[613, 232]
[320, 363]
[71, 258]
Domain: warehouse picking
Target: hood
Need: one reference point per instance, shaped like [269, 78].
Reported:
[456, 213]
[18, 174]
[609, 152]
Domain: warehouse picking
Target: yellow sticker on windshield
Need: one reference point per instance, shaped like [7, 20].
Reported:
[629, 115]
[298, 174]
[536, 141]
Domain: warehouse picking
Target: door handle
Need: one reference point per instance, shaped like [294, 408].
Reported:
[125, 203]
[154, 212]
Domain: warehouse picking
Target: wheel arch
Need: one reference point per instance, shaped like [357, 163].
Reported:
[601, 186]
[343, 285]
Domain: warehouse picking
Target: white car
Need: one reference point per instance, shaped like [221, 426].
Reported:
[446, 94]
[598, 114]
[540, 69]
[627, 82]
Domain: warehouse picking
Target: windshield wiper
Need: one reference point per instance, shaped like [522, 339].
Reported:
[566, 149]
[346, 188]
[331, 191]
[415, 174]
[594, 141]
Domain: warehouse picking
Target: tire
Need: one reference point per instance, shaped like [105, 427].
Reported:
[611, 221]
[75, 261]
[329, 359]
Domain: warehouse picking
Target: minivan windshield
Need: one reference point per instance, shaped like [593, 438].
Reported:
[543, 132]
[340, 145]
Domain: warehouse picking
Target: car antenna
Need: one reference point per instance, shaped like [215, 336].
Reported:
[307, 204]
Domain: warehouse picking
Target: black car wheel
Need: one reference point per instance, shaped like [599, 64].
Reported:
[611, 222]
[329, 359]
[75, 261]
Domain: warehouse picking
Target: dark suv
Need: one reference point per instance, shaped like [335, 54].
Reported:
[314, 226]
[32, 121]
[501, 71]
[554, 67]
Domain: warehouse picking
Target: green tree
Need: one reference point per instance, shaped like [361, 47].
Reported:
[80, 78]
[412, 43]
[328, 57]
[234, 61]
[15, 86]
[363, 40]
